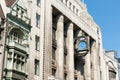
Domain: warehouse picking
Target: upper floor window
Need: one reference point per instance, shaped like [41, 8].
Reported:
[36, 67]
[65, 76]
[77, 11]
[54, 53]
[16, 35]
[53, 72]
[65, 43]
[65, 58]
[54, 34]
[37, 20]
[19, 63]
[37, 42]
[75, 78]
[38, 2]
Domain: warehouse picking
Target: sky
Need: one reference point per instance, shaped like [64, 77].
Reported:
[106, 13]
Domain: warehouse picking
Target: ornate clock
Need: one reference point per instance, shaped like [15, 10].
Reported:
[81, 44]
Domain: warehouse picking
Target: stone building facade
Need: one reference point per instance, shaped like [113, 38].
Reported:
[110, 66]
[49, 40]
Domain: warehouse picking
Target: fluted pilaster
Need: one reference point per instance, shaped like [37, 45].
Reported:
[70, 51]
[60, 47]
[94, 61]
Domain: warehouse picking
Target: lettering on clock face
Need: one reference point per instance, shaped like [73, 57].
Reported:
[82, 45]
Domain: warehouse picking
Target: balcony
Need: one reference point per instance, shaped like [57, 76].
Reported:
[15, 45]
[15, 74]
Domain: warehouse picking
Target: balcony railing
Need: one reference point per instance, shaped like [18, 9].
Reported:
[15, 45]
[15, 74]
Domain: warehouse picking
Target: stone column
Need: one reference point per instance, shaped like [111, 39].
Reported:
[60, 47]
[87, 66]
[94, 61]
[70, 48]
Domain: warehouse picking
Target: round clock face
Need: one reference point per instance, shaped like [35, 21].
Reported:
[82, 45]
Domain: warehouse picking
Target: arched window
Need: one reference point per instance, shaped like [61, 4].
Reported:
[112, 74]
[16, 35]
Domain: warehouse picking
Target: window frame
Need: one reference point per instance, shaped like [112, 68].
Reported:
[38, 3]
[37, 43]
[36, 67]
[38, 20]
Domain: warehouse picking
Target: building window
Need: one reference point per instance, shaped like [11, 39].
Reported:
[38, 2]
[16, 37]
[65, 43]
[65, 37]
[18, 65]
[19, 62]
[112, 74]
[77, 11]
[73, 8]
[53, 53]
[65, 76]
[53, 71]
[65, 58]
[36, 68]
[54, 34]
[37, 42]
[75, 78]
[37, 20]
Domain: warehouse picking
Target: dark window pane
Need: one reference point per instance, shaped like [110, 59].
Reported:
[36, 68]
[53, 71]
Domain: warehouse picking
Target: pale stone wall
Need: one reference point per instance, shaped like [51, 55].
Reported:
[3, 5]
[86, 26]
[2, 41]
[76, 12]
[45, 36]
[110, 63]
[35, 54]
